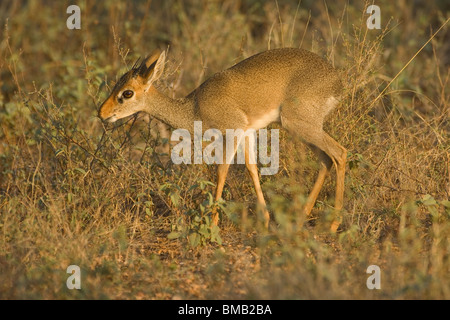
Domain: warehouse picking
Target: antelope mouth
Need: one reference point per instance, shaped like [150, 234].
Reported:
[111, 119]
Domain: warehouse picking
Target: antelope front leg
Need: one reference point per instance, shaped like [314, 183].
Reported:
[222, 171]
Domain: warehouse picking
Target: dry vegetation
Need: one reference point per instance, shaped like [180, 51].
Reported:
[72, 192]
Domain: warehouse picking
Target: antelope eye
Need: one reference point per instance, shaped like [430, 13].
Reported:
[127, 94]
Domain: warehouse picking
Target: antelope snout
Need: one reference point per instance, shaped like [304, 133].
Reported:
[106, 110]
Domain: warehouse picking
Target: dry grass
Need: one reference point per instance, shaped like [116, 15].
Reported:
[72, 192]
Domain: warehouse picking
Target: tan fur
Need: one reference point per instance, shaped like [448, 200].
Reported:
[292, 86]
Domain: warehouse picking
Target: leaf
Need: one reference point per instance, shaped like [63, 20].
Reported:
[82, 171]
[203, 231]
[204, 183]
[193, 187]
[215, 235]
[194, 239]
[164, 186]
[174, 197]
[428, 200]
[210, 198]
[173, 235]
[445, 203]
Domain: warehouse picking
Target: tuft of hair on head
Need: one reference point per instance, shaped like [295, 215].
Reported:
[149, 69]
[148, 64]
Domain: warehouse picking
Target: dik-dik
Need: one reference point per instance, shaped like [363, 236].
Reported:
[291, 86]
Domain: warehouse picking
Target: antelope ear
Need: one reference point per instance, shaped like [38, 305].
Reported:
[155, 69]
[151, 58]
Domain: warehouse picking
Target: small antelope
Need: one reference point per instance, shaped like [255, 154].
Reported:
[291, 86]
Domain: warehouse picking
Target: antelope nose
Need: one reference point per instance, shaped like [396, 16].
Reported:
[104, 109]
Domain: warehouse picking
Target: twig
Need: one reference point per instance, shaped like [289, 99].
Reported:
[407, 64]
